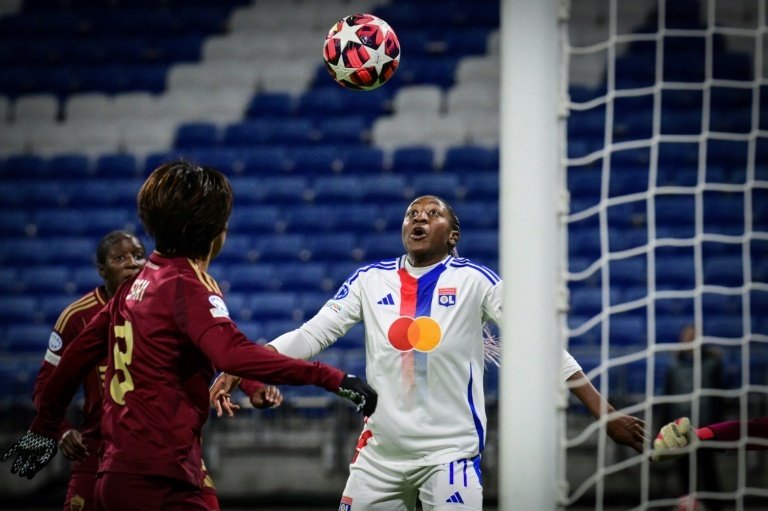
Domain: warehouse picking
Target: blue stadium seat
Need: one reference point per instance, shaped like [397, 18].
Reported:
[628, 330]
[346, 130]
[244, 278]
[445, 185]
[358, 218]
[675, 272]
[628, 272]
[270, 104]
[86, 278]
[264, 160]
[23, 251]
[380, 246]
[9, 280]
[196, 134]
[469, 157]
[315, 160]
[311, 302]
[238, 248]
[477, 214]
[280, 247]
[723, 271]
[26, 166]
[482, 185]
[44, 279]
[384, 189]
[111, 193]
[481, 245]
[69, 166]
[322, 102]
[367, 160]
[247, 190]
[413, 159]
[247, 219]
[341, 271]
[723, 326]
[237, 305]
[338, 188]
[277, 190]
[721, 304]
[51, 306]
[272, 305]
[309, 218]
[26, 339]
[625, 239]
[248, 133]
[301, 276]
[14, 222]
[332, 246]
[18, 309]
[584, 243]
[116, 165]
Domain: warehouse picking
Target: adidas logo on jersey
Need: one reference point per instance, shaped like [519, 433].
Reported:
[387, 300]
[455, 498]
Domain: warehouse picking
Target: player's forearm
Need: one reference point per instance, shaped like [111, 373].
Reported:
[231, 352]
[731, 430]
[589, 396]
[84, 353]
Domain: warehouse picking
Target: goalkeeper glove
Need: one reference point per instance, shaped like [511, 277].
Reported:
[360, 393]
[32, 453]
[671, 439]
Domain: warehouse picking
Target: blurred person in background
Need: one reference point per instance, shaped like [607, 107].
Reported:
[165, 330]
[679, 381]
[426, 350]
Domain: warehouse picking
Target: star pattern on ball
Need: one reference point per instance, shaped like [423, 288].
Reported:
[378, 57]
[341, 71]
[346, 34]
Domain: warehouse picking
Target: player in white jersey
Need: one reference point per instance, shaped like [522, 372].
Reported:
[425, 354]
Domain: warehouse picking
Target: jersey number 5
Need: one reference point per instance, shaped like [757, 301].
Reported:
[118, 389]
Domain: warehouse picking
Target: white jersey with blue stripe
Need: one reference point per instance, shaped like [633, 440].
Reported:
[424, 354]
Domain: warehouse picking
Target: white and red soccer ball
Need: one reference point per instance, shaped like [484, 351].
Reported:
[361, 52]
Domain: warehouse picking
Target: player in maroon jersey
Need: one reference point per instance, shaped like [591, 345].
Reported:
[168, 329]
[119, 256]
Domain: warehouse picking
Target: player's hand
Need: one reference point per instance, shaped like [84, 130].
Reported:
[360, 393]
[671, 440]
[32, 452]
[267, 396]
[220, 394]
[72, 446]
[627, 430]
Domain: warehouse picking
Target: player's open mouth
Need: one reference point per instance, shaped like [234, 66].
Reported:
[418, 233]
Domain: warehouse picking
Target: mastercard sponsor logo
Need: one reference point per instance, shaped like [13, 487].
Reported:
[420, 334]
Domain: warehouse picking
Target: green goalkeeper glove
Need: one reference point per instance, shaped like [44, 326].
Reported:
[671, 440]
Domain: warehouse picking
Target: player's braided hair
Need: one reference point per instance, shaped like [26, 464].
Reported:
[455, 224]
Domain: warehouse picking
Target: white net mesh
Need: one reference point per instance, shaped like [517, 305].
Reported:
[667, 169]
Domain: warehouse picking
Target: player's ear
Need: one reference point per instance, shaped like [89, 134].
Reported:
[453, 238]
[102, 271]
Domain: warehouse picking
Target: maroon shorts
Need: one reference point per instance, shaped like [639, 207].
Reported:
[129, 492]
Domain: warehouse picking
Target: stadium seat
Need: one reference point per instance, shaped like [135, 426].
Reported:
[331, 247]
[309, 218]
[248, 219]
[85, 278]
[723, 271]
[272, 305]
[442, 184]
[26, 339]
[264, 160]
[71, 166]
[477, 214]
[482, 185]
[675, 272]
[51, 306]
[378, 246]
[196, 134]
[280, 247]
[471, 157]
[337, 188]
[278, 190]
[384, 189]
[35, 108]
[116, 165]
[357, 218]
[14, 222]
[18, 309]
[311, 302]
[426, 99]
[274, 104]
[247, 278]
[301, 276]
[412, 158]
[315, 160]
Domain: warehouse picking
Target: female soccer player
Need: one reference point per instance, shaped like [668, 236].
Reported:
[165, 331]
[424, 314]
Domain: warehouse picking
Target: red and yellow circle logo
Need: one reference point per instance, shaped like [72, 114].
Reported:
[420, 334]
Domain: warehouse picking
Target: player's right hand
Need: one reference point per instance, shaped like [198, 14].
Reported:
[360, 393]
[32, 452]
[72, 446]
[671, 440]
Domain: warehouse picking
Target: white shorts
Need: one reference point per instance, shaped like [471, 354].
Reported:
[378, 486]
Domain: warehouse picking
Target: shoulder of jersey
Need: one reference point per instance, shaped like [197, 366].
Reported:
[206, 280]
[385, 265]
[77, 307]
[462, 263]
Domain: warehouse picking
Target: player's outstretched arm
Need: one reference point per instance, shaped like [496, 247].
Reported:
[621, 428]
[672, 439]
[32, 452]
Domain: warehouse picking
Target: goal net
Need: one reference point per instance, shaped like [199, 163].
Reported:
[666, 165]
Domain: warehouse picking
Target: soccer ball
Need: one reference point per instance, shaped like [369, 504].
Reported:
[361, 52]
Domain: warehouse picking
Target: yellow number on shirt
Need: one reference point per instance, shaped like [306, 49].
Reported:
[118, 389]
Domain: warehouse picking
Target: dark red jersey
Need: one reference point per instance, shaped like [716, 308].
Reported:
[71, 322]
[167, 330]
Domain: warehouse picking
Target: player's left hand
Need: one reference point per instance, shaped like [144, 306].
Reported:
[671, 440]
[32, 452]
[267, 396]
[72, 446]
[360, 393]
[626, 430]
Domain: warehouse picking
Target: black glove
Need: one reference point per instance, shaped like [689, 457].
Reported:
[360, 393]
[32, 452]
